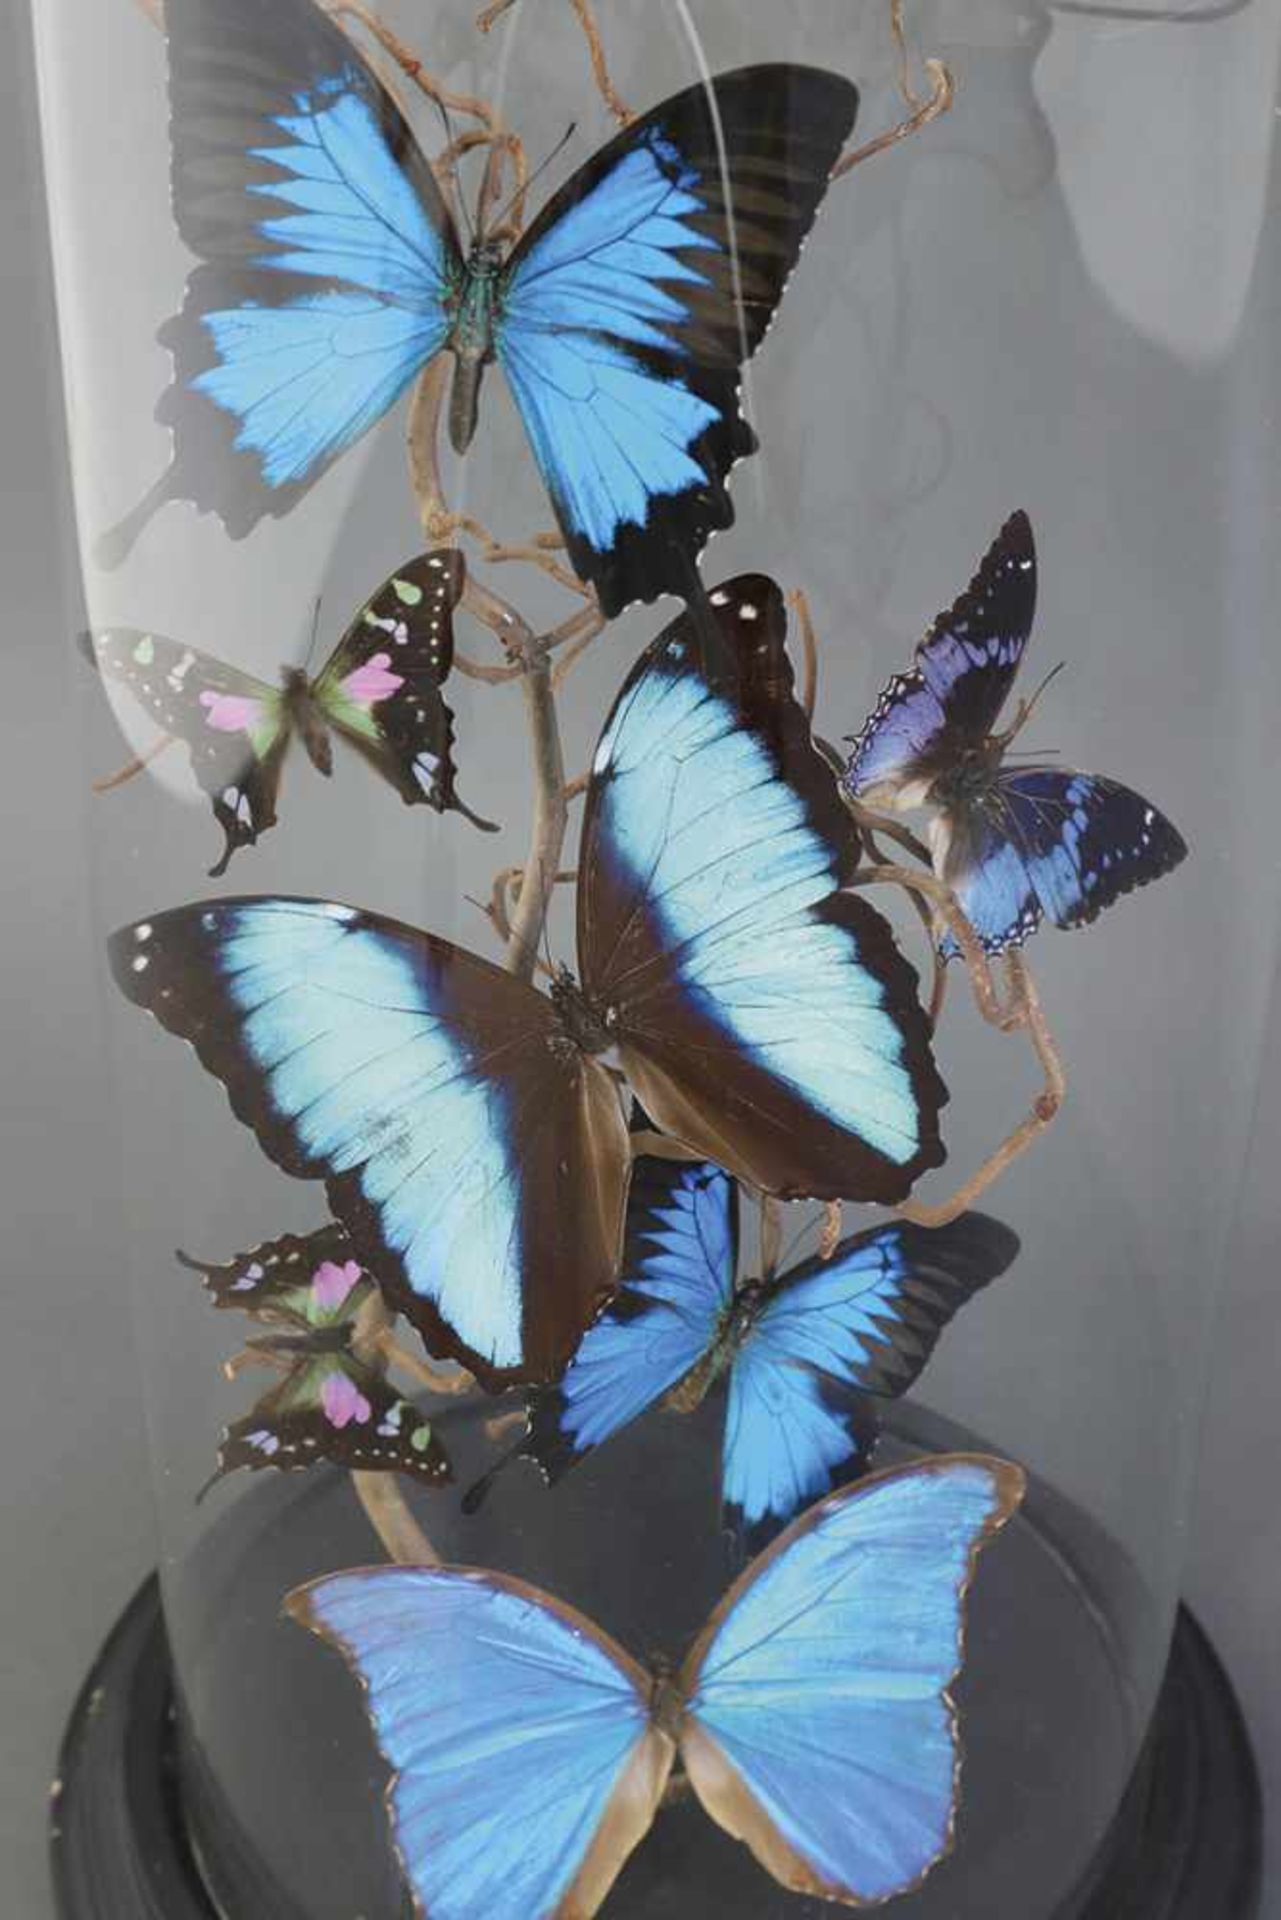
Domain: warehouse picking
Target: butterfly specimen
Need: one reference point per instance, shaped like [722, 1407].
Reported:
[812, 1715]
[1014, 843]
[804, 1351]
[472, 1139]
[379, 690]
[330, 1405]
[332, 272]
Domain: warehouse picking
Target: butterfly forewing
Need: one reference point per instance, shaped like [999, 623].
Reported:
[525, 1764]
[303, 1279]
[381, 688]
[764, 1017]
[819, 1727]
[235, 727]
[477, 1157]
[632, 302]
[951, 699]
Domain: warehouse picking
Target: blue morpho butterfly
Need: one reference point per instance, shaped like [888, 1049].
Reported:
[1013, 843]
[332, 274]
[380, 691]
[813, 1717]
[331, 1403]
[804, 1351]
[471, 1135]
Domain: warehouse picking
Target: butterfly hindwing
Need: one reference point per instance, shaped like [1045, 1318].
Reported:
[952, 697]
[525, 1764]
[381, 688]
[676, 1278]
[631, 304]
[235, 727]
[1056, 843]
[331, 1407]
[478, 1160]
[326, 253]
[832, 1338]
[819, 1727]
[764, 1017]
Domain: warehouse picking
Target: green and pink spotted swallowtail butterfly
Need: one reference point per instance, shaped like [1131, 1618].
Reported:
[329, 1402]
[380, 690]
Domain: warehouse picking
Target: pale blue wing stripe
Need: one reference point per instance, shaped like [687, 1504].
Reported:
[507, 1726]
[825, 1683]
[696, 815]
[682, 1284]
[338, 1018]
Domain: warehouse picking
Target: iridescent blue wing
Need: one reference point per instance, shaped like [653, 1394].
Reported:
[478, 1159]
[950, 699]
[634, 300]
[1045, 841]
[327, 253]
[381, 686]
[833, 1337]
[763, 1016]
[525, 1765]
[235, 727]
[676, 1280]
[819, 1727]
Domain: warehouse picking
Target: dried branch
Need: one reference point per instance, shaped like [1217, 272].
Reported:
[798, 601]
[941, 97]
[489, 17]
[403, 1539]
[830, 1232]
[447, 1381]
[136, 765]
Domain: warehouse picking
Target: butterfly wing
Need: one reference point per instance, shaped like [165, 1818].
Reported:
[763, 1017]
[302, 1280]
[525, 1764]
[235, 728]
[478, 1159]
[951, 698]
[834, 1333]
[1048, 841]
[676, 1279]
[381, 688]
[633, 301]
[326, 248]
[331, 1407]
[819, 1727]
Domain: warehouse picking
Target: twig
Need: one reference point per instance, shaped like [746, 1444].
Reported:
[489, 17]
[136, 765]
[411, 66]
[830, 1232]
[565, 666]
[771, 1234]
[899, 31]
[944, 91]
[578, 785]
[447, 1381]
[492, 676]
[997, 1013]
[798, 601]
[1043, 1111]
[403, 1539]
[534, 554]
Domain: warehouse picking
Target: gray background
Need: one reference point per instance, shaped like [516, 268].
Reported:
[72, 1457]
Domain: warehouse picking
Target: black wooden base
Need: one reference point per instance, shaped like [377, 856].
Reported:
[1186, 1843]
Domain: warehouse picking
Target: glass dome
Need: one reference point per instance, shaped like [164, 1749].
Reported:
[1038, 299]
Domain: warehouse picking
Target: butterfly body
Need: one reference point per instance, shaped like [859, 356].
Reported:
[333, 1402]
[331, 274]
[813, 1715]
[1016, 843]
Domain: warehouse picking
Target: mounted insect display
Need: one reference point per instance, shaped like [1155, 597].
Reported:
[694, 1201]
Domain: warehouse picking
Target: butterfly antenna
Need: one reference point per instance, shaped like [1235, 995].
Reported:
[315, 629]
[455, 176]
[1026, 707]
[536, 175]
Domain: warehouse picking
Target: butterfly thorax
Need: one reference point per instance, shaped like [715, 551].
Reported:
[474, 306]
[586, 1027]
[306, 718]
[967, 777]
[733, 1326]
[666, 1701]
[316, 1340]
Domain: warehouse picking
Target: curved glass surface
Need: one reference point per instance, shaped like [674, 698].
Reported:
[1042, 300]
